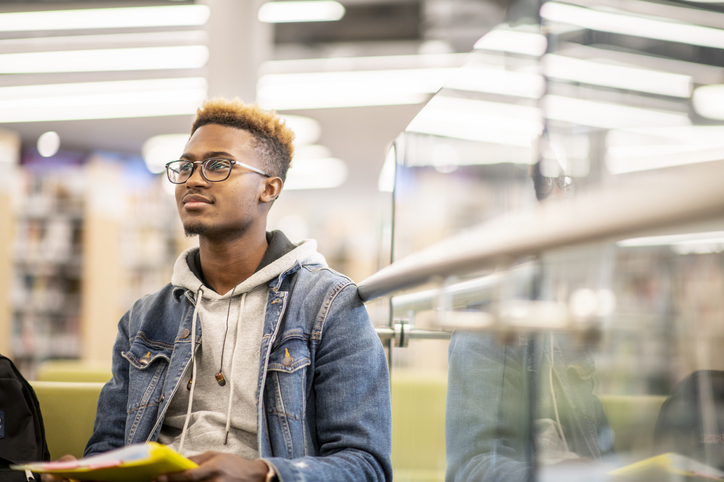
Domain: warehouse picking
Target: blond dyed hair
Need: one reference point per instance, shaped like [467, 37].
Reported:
[273, 139]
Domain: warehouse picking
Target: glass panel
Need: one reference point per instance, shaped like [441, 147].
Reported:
[580, 361]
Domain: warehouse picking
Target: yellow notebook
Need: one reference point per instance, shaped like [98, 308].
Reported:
[654, 468]
[139, 462]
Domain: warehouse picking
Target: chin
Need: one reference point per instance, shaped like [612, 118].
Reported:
[195, 230]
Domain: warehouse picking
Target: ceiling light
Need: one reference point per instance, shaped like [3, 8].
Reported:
[513, 41]
[103, 60]
[349, 89]
[97, 18]
[619, 77]
[306, 130]
[48, 144]
[301, 11]
[158, 150]
[367, 63]
[481, 121]
[634, 25]
[700, 73]
[102, 100]
[316, 174]
[476, 78]
[634, 150]
[708, 101]
[607, 115]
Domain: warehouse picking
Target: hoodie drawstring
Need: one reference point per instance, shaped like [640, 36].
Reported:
[233, 366]
[199, 294]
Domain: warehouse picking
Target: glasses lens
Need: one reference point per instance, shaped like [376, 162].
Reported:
[179, 171]
[216, 169]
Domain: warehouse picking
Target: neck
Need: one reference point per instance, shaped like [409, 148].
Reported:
[226, 264]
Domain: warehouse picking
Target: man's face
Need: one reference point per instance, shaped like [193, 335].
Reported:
[226, 208]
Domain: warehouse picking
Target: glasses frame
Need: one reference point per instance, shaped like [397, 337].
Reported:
[205, 163]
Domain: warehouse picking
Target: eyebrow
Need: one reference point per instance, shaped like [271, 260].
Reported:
[208, 155]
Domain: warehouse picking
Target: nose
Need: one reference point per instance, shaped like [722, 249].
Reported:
[196, 178]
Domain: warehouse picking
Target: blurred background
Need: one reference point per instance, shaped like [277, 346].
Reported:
[96, 96]
[545, 174]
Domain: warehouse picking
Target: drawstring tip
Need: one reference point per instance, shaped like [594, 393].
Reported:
[226, 437]
[220, 379]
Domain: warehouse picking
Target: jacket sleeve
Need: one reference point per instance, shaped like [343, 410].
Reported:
[487, 411]
[110, 424]
[352, 397]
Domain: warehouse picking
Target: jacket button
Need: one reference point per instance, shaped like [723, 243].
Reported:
[145, 359]
[288, 359]
[185, 333]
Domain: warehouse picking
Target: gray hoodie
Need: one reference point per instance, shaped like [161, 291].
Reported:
[223, 418]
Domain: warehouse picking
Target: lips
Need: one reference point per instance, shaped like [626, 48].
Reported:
[196, 198]
[196, 202]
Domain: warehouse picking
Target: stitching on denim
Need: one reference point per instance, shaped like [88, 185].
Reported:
[143, 406]
[156, 344]
[319, 325]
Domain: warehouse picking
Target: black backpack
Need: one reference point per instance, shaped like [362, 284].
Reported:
[22, 435]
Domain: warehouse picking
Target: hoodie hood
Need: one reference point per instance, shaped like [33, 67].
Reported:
[304, 252]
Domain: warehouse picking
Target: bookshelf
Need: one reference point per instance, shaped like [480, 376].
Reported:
[81, 244]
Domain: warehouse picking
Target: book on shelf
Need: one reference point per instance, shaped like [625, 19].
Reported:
[139, 462]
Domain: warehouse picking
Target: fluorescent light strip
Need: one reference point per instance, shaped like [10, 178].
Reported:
[102, 100]
[709, 101]
[106, 60]
[635, 25]
[348, 89]
[606, 115]
[301, 11]
[106, 40]
[633, 150]
[98, 18]
[480, 121]
[513, 41]
[367, 63]
[615, 76]
[498, 81]
[700, 73]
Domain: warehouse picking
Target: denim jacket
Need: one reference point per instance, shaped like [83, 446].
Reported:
[325, 417]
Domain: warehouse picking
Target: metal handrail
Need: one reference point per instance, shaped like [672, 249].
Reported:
[635, 204]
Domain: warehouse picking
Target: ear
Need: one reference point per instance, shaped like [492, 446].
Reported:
[272, 189]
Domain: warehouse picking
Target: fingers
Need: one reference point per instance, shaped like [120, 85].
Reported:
[205, 457]
[53, 478]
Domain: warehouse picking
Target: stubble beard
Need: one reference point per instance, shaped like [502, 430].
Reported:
[195, 230]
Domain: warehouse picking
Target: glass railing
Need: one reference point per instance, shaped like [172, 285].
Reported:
[556, 290]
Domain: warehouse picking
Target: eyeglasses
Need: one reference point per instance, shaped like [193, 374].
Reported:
[564, 183]
[214, 169]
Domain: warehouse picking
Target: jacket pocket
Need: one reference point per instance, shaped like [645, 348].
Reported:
[148, 362]
[286, 394]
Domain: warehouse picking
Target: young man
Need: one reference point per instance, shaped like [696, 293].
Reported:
[257, 360]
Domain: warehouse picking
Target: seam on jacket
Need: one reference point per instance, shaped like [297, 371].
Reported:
[319, 325]
[156, 344]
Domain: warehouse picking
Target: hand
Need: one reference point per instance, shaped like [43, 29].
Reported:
[220, 467]
[53, 478]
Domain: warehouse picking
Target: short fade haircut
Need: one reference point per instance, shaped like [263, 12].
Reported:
[273, 139]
